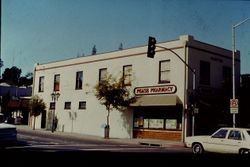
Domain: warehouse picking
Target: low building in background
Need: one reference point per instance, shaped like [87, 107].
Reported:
[15, 103]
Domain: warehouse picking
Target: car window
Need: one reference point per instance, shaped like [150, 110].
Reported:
[248, 131]
[235, 135]
[220, 134]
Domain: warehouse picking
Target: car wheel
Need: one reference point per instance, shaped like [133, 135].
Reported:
[244, 151]
[197, 148]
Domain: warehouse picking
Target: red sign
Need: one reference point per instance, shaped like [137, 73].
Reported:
[234, 103]
[163, 89]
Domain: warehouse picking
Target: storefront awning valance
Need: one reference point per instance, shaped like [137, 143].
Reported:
[163, 100]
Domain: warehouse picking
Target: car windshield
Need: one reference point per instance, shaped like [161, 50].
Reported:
[220, 134]
[248, 131]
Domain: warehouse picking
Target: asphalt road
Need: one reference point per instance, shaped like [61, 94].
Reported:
[45, 149]
[34, 149]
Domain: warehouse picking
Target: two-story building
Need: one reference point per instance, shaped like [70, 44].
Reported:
[186, 72]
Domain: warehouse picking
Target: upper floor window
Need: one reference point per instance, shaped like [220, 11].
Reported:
[57, 82]
[102, 74]
[164, 71]
[82, 105]
[79, 79]
[67, 105]
[127, 75]
[52, 105]
[41, 84]
[227, 75]
[204, 73]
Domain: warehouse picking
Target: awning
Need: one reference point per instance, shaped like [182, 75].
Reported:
[156, 100]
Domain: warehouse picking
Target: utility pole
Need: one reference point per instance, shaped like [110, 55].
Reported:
[1, 62]
[234, 110]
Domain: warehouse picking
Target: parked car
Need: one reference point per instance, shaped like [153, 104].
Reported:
[224, 140]
[8, 132]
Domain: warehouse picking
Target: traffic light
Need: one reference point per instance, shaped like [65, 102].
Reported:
[151, 47]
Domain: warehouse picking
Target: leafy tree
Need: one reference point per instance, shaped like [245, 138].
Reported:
[94, 50]
[37, 107]
[26, 80]
[12, 75]
[113, 94]
[120, 46]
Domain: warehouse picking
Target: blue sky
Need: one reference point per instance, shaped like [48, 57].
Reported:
[40, 31]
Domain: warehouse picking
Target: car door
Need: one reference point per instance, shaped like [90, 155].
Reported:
[216, 141]
[233, 142]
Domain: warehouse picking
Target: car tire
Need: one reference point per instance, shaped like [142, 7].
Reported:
[197, 148]
[244, 151]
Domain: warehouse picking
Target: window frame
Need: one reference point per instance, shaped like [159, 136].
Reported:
[82, 108]
[79, 80]
[167, 71]
[127, 74]
[56, 82]
[205, 72]
[101, 78]
[67, 105]
[41, 84]
[52, 105]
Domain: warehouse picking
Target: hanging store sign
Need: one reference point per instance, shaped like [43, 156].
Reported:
[150, 90]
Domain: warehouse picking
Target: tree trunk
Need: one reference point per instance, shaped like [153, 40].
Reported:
[108, 117]
[106, 129]
[34, 125]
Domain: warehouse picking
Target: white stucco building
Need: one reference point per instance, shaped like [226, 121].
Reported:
[163, 85]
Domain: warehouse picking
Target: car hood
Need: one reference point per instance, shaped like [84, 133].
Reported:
[5, 125]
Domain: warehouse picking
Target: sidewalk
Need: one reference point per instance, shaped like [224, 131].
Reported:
[77, 136]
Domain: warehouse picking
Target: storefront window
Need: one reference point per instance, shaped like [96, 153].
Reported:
[146, 123]
[171, 123]
[156, 123]
[158, 118]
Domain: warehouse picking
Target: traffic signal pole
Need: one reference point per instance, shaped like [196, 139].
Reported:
[194, 78]
[151, 52]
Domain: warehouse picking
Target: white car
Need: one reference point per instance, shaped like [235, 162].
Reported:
[224, 140]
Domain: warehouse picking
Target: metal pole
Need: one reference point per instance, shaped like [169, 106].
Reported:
[191, 69]
[233, 60]
[1, 62]
[53, 114]
[193, 117]
[233, 68]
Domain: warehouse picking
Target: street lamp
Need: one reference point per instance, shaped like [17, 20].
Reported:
[233, 62]
[55, 95]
